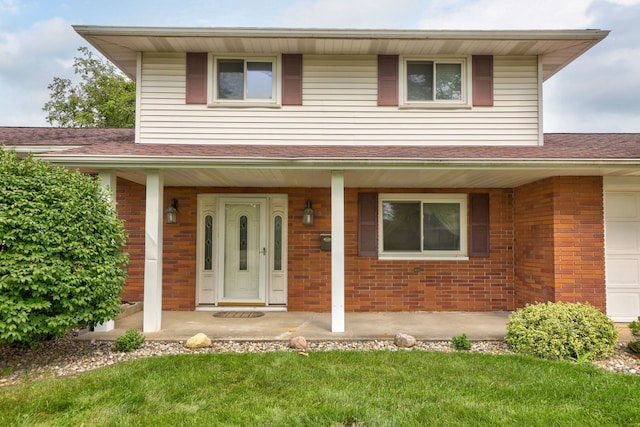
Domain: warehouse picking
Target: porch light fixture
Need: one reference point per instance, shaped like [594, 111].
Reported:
[307, 215]
[171, 214]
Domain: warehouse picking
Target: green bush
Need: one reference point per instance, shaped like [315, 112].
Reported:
[461, 342]
[62, 264]
[562, 331]
[635, 332]
[635, 329]
[131, 340]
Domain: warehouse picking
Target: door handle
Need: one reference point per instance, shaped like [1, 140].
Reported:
[263, 251]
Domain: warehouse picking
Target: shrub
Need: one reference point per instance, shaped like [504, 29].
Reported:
[635, 331]
[461, 342]
[131, 340]
[61, 249]
[562, 331]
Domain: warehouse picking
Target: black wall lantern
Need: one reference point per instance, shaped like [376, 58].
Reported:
[307, 215]
[171, 214]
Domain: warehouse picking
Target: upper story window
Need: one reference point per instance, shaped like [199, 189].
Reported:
[434, 82]
[423, 226]
[245, 80]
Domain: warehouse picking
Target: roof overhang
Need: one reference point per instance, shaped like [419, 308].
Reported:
[557, 48]
[359, 173]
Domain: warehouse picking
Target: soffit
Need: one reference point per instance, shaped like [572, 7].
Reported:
[448, 177]
[556, 48]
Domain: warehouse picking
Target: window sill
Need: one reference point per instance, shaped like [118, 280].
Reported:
[435, 106]
[243, 105]
[422, 257]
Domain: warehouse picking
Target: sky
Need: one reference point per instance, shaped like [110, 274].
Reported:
[598, 92]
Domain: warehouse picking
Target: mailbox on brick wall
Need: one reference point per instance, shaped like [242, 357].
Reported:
[325, 241]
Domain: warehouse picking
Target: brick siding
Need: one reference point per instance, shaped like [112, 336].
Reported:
[559, 241]
[546, 244]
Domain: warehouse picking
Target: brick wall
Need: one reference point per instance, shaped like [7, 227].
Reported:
[559, 241]
[130, 198]
[534, 254]
[479, 284]
[546, 244]
[179, 251]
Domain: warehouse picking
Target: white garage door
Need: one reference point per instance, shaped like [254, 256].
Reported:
[622, 231]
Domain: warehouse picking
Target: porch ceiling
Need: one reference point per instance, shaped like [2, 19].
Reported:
[508, 177]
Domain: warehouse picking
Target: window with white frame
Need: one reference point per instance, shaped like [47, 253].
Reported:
[423, 225]
[245, 80]
[431, 81]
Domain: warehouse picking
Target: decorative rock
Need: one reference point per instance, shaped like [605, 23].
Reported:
[404, 340]
[299, 343]
[198, 341]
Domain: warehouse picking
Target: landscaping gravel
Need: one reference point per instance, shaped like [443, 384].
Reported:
[68, 356]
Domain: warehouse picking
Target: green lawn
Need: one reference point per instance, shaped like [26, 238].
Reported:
[330, 389]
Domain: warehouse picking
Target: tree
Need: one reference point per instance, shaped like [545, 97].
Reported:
[61, 259]
[103, 98]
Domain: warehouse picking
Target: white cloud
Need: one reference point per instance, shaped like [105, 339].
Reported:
[351, 14]
[9, 7]
[501, 14]
[29, 60]
[599, 92]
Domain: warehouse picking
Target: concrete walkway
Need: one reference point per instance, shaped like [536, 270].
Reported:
[430, 326]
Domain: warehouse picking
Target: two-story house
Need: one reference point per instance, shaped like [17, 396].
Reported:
[363, 170]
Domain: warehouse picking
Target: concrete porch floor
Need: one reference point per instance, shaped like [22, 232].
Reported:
[433, 326]
[180, 325]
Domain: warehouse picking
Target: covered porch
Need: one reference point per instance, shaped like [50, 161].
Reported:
[337, 175]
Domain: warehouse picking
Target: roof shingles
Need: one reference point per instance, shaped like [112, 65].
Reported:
[96, 142]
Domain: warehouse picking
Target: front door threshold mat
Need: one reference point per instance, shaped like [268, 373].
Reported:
[238, 314]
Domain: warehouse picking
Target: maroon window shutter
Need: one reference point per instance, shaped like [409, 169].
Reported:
[482, 80]
[387, 79]
[291, 79]
[367, 224]
[196, 78]
[479, 245]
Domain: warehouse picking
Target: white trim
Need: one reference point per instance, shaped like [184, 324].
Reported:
[465, 80]
[540, 101]
[138, 96]
[210, 204]
[152, 313]
[621, 183]
[108, 181]
[337, 251]
[627, 292]
[213, 308]
[276, 89]
[461, 198]
[356, 34]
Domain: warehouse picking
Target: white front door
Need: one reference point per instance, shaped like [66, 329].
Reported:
[243, 248]
[622, 231]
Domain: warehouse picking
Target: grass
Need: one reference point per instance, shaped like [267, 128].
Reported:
[330, 389]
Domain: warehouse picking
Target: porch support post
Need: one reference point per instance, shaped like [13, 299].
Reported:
[108, 180]
[152, 317]
[337, 251]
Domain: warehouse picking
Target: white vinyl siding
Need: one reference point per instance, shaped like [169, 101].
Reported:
[339, 107]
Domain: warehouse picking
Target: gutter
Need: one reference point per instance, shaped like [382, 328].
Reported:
[329, 162]
[355, 34]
